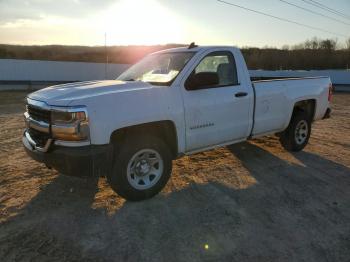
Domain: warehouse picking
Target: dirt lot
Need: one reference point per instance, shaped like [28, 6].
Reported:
[248, 202]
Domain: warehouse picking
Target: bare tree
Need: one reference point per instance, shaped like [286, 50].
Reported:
[347, 44]
[328, 45]
[314, 43]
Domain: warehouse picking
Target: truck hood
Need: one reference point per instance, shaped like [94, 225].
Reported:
[63, 95]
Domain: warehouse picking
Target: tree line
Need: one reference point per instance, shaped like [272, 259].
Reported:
[311, 54]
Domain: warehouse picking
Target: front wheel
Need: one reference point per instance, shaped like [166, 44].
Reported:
[141, 168]
[297, 134]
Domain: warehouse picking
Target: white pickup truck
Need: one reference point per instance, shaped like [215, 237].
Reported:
[172, 103]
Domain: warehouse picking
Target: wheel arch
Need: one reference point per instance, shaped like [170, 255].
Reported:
[164, 129]
[305, 105]
[308, 106]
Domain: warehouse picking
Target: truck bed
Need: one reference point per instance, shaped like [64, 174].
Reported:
[275, 99]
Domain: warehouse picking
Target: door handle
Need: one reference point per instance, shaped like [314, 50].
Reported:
[241, 94]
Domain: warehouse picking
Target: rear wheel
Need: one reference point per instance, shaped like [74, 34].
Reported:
[297, 134]
[141, 168]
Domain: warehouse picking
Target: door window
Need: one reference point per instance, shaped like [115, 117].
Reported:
[217, 69]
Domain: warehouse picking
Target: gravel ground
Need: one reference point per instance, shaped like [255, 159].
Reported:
[247, 202]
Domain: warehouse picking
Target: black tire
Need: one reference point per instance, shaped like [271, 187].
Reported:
[118, 178]
[289, 138]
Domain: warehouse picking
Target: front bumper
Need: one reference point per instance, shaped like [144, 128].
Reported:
[83, 161]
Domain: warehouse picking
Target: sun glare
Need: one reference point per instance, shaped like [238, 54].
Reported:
[140, 22]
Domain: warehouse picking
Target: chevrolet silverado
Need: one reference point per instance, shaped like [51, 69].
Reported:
[172, 103]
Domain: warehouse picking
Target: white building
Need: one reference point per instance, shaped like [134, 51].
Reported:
[34, 74]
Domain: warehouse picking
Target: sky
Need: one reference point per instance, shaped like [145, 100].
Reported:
[148, 22]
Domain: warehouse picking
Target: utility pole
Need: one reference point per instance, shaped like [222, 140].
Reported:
[106, 54]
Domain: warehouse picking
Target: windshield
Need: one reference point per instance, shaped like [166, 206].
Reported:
[158, 69]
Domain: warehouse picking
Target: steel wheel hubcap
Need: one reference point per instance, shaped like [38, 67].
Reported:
[145, 169]
[301, 132]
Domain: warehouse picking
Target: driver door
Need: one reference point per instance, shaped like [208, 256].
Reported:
[214, 113]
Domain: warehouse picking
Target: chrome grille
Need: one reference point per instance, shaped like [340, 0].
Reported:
[39, 114]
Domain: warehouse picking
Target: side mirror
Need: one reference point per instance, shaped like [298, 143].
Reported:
[202, 80]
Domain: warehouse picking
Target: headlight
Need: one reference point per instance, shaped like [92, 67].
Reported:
[70, 125]
[67, 117]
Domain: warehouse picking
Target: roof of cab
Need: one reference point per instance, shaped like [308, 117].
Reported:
[194, 49]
